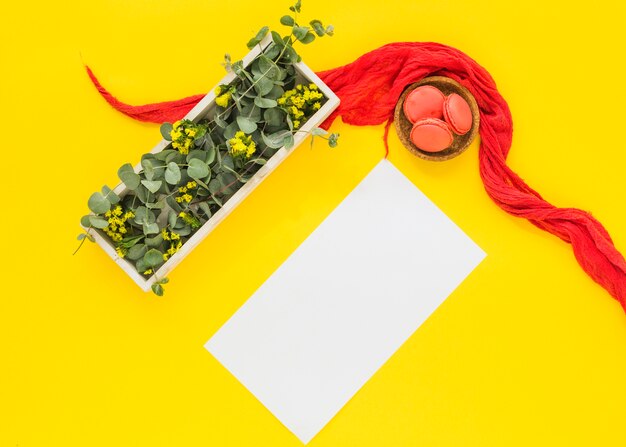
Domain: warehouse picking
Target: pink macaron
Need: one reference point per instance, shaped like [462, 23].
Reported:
[425, 101]
[431, 135]
[457, 114]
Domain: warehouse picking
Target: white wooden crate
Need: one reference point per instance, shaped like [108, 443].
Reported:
[204, 108]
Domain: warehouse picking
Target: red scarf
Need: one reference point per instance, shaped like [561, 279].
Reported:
[369, 88]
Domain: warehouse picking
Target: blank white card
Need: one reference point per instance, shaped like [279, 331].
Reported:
[340, 306]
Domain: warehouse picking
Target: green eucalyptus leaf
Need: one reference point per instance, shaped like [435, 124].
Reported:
[264, 103]
[214, 186]
[274, 117]
[291, 55]
[152, 185]
[275, 140]
[330, 30]
[141, 266]
[317, 132]
[276, 92]
[288, 142]
[84, 221]
[272, 51]
[172, 217]
[278, 40]
[131, 241]
[110, 195]
[136, 252]
[246, 125]
[252, 112]
[98, 222]
[268, 67]
[206, 209]
[259, 37]
[228, 163]
[263, 85]
[197, 169]
[172, 173]
[174, 156]
[318, 27]
[332, 139]
[310, 37]
[210, 157]
[155, 241]
[153, 257]
[166, 129]
[163, 281]
[157, 288]
[230, 131]
[81, 236]
[300, 32]
[148, 168]
[98, 204]
[287, 21]
[184, 231]
[150, 228]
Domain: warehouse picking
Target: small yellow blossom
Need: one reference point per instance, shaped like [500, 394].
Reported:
[242, 145]
[224, 99]
[301, 103]
[182, 134]
[148, 272]
[121, 252]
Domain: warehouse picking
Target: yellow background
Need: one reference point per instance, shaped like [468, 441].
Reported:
[527, 351]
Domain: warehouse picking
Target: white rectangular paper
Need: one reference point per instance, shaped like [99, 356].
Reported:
[344, 301]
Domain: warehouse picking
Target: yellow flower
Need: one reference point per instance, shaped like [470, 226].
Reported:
[148, 272]
[182, 189]
[190, 132]
[296, 124]
[174, 236]
[218, 90]
[120, 252]
[313, 86]
[223, 100]
[166, 236]
[191, 185]
[251, 149]
[317, 106]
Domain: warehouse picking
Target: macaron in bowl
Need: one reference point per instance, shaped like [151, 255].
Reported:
[431, 135]
[425, 101]
[457, 113]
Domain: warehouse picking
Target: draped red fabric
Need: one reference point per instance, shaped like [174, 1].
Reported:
[369, 88]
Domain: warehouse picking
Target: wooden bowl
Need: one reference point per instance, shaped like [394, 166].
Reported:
[460, 142]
